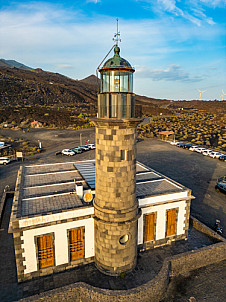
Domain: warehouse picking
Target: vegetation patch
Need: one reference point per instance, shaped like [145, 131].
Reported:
[198, 127]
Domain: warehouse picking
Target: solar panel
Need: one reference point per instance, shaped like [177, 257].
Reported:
[87, 170]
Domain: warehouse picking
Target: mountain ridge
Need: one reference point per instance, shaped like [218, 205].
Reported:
[12, 64]
[38, 87]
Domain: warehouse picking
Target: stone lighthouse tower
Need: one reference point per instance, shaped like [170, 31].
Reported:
[115, 206]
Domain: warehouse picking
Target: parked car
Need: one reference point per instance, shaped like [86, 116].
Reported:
[4, 160]
[193, 148]
[222, 157]
[91, 146]
[180, 145]
[215, 154]
[206, 152]
[200, 150]
[77, 150]
[187, 146]
[68, 152]
[221, 184]
[84, 147]
[174, 143]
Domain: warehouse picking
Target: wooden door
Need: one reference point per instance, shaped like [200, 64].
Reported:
[171, 222]
[76, 243]
[45, 251]
[149, 227]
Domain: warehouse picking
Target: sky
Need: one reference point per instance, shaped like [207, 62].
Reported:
[177, 47]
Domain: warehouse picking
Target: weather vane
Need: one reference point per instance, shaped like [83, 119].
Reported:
[117, 35]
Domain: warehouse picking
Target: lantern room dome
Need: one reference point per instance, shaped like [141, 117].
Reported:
[117, 61]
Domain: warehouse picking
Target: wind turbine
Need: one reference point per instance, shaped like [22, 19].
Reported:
[223, 94]
[200, 93]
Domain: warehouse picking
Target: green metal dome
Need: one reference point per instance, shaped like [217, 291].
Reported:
[116, 61]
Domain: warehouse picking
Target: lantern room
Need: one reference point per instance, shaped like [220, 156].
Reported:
[116, 98]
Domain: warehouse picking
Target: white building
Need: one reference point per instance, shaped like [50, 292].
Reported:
[53, 227]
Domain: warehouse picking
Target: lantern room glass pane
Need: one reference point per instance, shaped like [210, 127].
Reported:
[116, 81]
[105, 82]
[124, 81]
[112, 74]
[130, 82]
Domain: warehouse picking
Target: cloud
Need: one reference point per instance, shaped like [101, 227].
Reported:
[74, 42]
[192, 11]
[170, 6]
[63, 66]
[93, 1]
[172, 73]
[214, 3]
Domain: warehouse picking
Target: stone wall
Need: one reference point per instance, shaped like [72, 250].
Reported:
[201, 227]
[2, 205]
[7, 193]
[195, 259]
[81, 292]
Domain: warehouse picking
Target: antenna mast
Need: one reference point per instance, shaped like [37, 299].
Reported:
[116, 38]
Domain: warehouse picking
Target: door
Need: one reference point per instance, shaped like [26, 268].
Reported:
[45, 251]
[171, 222]
[149, 227]
[76, 243]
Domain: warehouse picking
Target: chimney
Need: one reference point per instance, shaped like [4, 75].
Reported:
[79, 189]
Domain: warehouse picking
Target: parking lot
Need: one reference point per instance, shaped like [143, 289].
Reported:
[191, 169]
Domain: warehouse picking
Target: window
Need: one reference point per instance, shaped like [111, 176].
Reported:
[116, 81]
[171, 222]
[123, 154]
[114, 105]
[76, 248]
[124, 82]
[130, 82]
[45, 251]
[105, 82]
[124, 239]
[149, 227]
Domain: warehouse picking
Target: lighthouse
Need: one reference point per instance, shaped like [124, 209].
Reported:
[115, 205]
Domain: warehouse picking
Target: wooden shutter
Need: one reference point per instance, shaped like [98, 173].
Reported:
[149, 227]
[171, 222]
[76, 243]
[45, 251]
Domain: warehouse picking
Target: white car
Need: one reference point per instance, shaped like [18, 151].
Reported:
[215, 154]
[174, 143]
[68, 152]
[193, 148]
[200, 150]
[206, 152]
[91, 146]
[84, 147]
[4, 160]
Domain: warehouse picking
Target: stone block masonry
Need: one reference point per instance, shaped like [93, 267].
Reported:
[116, 206]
